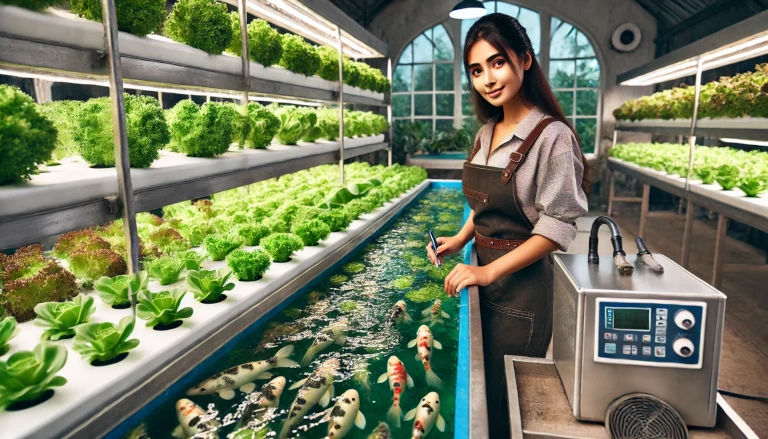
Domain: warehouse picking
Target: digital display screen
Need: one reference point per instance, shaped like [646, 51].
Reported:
[637, 319]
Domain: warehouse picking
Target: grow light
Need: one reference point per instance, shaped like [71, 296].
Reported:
[744, 40]
[745, 142]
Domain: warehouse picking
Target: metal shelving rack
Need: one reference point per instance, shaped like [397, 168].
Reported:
[744, 40]
[53, 48]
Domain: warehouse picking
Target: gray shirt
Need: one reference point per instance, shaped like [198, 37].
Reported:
[548, 181]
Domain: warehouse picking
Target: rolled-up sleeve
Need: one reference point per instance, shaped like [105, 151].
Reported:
[559, 197]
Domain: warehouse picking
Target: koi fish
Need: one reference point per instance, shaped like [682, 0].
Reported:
[435, 314]
[424, 351]
[334, 333]
[398, 377]
[242, 376]
[399, 314]
[192, 421]
[318, 387]
[343, 414]
[259, 404]
[427, 414]
[381, 432]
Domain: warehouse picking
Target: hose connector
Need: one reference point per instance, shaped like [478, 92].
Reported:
[619, 257]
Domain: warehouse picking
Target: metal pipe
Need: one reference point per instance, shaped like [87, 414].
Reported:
[341, 103]
[245, 53]
[618, 249]
[389, 113]
[694, 120]
[122, 160]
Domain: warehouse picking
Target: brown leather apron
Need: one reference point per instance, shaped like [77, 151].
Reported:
[515, 310]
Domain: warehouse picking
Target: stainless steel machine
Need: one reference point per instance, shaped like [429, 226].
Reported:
[646, 332]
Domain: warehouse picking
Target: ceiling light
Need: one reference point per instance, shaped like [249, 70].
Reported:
[468, 9]
[745, 142]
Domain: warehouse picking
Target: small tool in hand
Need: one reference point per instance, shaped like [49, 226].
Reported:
[645, 255]
[434, 246]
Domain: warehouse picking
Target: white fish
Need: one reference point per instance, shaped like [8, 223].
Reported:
[334, 333]
[398, 379]
[343, 414]
[427, 415]
[259, 404]
[435, 314]
[399, 314]
[318, 387]
[424, 353]
[242, 376]
[192, 421]
[381, 432]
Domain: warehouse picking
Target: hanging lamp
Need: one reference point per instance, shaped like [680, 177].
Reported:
[467, 9]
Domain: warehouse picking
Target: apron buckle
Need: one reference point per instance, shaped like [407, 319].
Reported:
[516, 157]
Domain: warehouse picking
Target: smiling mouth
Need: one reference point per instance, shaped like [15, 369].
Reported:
[495, 93]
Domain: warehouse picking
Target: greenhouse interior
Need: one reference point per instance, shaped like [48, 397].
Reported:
[251, 219]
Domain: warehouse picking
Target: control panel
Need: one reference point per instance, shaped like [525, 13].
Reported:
[649, 332]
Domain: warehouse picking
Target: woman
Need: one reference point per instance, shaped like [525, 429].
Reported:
[525, 182]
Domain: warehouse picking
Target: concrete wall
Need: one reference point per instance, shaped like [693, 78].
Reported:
[402, 20]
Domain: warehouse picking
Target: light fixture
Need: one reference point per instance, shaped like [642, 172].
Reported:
[745, 141]
[468, 9]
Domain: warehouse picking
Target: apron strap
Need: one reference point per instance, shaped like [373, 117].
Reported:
[475, 149]
[518, 156]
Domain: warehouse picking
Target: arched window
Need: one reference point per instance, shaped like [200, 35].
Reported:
[574, 75]
[422, 85]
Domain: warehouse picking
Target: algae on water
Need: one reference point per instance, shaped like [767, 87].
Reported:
[354, 267]
[428, 293]
[338, 279]
[403, 282]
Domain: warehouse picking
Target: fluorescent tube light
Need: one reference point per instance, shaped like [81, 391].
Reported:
[745, 142]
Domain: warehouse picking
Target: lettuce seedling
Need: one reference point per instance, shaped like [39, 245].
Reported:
[192, 259]
[202, 24]
[166, 270]
[8, 329]
[90, 265]
[26, 375]
[312, 232]
[248, 266]
[196, 231]
[63, 115]
[329, 63]
[104, 341]
[114, 290]
[201, 131]
[162, 308]
[299, 56]
[168, 240]
[264, 42]
[251, 234]
[61, 317]
[727, 176]
[296, 124]
[281, 246]
[220, 245]
[336, 219]
[209, 285]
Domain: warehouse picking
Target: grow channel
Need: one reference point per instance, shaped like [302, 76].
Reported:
[356, 296]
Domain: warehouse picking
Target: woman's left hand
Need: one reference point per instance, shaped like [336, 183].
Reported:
[464, 275]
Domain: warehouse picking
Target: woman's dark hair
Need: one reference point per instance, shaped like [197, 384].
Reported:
[507, 35]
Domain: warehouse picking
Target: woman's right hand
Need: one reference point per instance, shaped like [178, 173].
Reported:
[445, 246]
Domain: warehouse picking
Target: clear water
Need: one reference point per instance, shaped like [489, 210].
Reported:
[365, 299]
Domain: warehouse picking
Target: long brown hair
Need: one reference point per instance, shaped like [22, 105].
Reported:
[507, 35]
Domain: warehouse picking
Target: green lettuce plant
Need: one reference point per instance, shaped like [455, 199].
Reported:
[311, 232]
[162, 308]
[61, 317]
[296, 124]
[166, 270]
[727, 176]
[90, 265]
[220, 245]
[753, 181]
[202, 24]
[104, 341]
[248, 266]
[264, 43]
[209, 285]
[192, 259]
[252, 234]
[8, 329]
[299, 56]
[114, 291]
[138, 17]
[281, 246]
[26, 375]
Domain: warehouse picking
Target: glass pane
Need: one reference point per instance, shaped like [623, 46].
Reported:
[563, 40]
[407, 56]
[443, 44]
[444, 125]
[565, 99]
[463, 78]
[583, 46]
[561, 74]
[587, 73]
[472, 125]
[586, 102]
[444, 76]
[466, 105]
[532, 24]
[587, 130]
[402, 78]
[506, 8]
[422, 105]
[422, 77]
[444, 103]
[401, 105]
[466, 24]
[422, 48]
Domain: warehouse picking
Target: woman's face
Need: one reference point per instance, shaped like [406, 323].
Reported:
[492, 76]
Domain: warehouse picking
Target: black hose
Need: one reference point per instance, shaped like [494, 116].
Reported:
[743, 396]
[642, 249]
[618, 249]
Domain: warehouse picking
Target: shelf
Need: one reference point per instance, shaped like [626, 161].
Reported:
[65, 48]
[72, 195]
[743, 128]
[96, 399]
[752, 211]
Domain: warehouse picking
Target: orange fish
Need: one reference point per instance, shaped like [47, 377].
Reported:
[398, 377]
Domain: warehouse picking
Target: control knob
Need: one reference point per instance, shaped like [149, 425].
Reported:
[684, 319]
[683, 347]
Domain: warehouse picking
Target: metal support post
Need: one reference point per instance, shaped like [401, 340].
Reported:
[611, 192]
[160, 99]
[687, 233]
[341, 103]
[615, 136]
[389, 113]
[694, 119]
[207, 98]
[122, 161]
[245, 53]
[717, 271]
[644, 210]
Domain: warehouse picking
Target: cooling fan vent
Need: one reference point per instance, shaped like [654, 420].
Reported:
[640, 416]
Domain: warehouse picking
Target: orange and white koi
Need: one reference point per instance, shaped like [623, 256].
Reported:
[398, 378]
[435, 314]
[424, 353]
[427, 416]
[193, 422]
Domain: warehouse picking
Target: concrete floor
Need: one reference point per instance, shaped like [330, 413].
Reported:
[744, 360]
